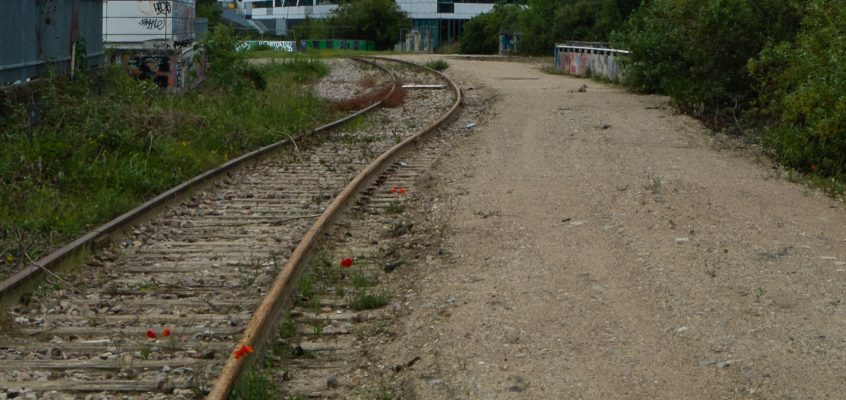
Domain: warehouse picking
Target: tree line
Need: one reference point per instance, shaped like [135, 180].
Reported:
[770, 66]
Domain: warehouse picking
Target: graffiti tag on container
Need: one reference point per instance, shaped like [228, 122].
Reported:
[274, 44]
[182, 43]
[161, 45]
[152, 23]
[162, 7]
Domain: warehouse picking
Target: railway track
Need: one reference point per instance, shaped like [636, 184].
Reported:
[323, 348]
[159, 313]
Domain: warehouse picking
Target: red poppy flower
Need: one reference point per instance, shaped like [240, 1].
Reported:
[347, 262]
[402, 191]
[813, 167]
[151, 334]
[166, 332]
[394, 189]
[243, 350]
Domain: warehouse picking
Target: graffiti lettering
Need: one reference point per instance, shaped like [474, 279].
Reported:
[589, 62]
[274, 44]
[162, 7]
[242, 46]
[160, 45]
[155, 67]
[152, 23]
[181, 43]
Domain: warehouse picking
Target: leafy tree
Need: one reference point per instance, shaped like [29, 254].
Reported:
[209, 9]
[697, 50]
[481, 34]
[311, 28]
[546, 22]
[537, 26]
[379, 21]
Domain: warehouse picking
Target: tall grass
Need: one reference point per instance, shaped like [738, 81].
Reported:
[254, 384]
[76, 154]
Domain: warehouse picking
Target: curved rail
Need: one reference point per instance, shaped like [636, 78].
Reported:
[271, 305]
[89, 240]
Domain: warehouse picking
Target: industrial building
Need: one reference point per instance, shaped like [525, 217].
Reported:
[440, 20]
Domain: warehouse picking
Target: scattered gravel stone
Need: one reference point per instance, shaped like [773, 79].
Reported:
[165, 386]
[332, 382]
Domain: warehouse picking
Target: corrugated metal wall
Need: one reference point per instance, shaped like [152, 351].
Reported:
[35, 34]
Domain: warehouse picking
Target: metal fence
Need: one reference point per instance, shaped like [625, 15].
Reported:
[36, 35]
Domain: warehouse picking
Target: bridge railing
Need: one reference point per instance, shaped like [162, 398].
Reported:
[589, 61]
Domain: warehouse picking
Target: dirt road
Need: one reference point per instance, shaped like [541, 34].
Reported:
[598, 246]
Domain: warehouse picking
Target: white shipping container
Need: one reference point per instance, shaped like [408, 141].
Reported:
[148, 23]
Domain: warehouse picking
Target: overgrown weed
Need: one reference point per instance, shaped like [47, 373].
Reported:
[438, 65]
[364, 300]
[364, 100]
[254, 384]
[396, 98]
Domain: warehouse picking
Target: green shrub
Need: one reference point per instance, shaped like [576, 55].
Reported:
[364, 300]
[229, 69]
[254, 384]
[696, 50]
[802, 88]
[437, 65]
[304, 69]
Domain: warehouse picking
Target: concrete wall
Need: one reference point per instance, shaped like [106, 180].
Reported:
[37, 35]
[589, 61]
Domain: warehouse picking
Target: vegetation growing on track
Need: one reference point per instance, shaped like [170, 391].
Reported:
[79, 153]
[255, 384]
[438, 65]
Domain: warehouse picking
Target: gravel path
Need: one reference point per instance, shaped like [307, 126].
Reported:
[601, 247]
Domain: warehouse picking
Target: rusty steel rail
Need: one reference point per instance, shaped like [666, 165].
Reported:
[89, 240]
[271, 306]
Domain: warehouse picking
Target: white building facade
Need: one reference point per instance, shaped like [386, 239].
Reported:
[148, 24]
[443, 20]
